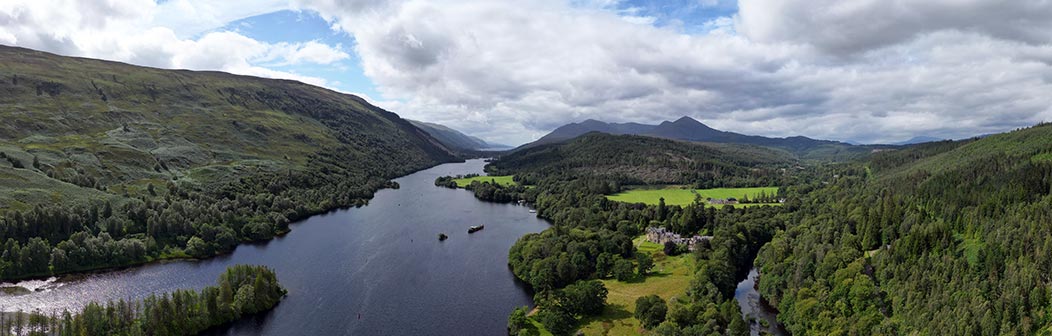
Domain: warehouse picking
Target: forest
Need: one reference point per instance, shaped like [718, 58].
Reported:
[242, 290]
[938, 238]
[592, 236]
[942, 238]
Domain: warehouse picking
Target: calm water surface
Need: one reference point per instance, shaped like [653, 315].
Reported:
[375, 270]
[752, 306]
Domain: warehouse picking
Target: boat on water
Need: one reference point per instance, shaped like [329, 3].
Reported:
[533, 211]
[476, 228]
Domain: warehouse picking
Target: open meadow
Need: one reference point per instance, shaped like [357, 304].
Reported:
[670, 278]
[501, 180]
[675, 195]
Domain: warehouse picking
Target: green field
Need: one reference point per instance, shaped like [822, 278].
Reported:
[670, 278]
[679, 196]
[501, 180]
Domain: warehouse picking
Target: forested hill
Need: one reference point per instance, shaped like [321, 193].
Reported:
[688, 129]
[631, 159]
[941, 238]
[159, 157]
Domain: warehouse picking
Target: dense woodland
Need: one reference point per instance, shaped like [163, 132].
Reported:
[943, 238]
[240, 291]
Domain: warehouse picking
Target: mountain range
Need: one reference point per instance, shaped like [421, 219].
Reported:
[688, 129]
[918, 140]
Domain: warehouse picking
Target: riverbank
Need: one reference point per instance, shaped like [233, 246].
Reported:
[762, 318]
[242, 290]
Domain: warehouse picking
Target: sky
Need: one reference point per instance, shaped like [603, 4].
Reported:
[509, 71]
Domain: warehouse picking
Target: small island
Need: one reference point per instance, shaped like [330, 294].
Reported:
[442, 237]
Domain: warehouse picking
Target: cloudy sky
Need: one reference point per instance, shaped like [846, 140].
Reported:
[512, 70]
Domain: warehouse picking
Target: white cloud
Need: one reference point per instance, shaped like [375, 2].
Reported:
[192, 17]
[311, 52]
[852, 26]
[145, 33]
[512, 70]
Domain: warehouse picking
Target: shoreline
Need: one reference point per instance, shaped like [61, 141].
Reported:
[176, 258]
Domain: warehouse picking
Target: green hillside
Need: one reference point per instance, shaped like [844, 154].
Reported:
[631, 159]
[452, 138]
[941, 238]
[237, 155]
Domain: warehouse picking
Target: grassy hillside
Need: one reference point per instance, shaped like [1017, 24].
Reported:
[86, 133]
[121, 125]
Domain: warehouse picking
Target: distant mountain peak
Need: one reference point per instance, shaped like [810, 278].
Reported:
[685, 129]
[590, 123]
[686, 119]
[919, 139]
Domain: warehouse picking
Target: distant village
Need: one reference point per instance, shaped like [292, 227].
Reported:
[661, 236]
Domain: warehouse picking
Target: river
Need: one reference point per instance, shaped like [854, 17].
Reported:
[375, 270]
[756, 311]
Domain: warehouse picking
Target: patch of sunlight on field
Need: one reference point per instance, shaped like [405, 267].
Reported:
[501, 180]
[679, 196]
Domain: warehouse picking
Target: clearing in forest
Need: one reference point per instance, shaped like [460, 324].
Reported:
[676, 195]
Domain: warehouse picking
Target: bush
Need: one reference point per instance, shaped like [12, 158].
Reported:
[650, 310]
[518, 321]
[557, 321]
[623, 270]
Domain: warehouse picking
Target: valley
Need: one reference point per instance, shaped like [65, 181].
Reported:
[132, 189]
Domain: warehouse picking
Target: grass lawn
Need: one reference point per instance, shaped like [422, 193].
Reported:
[679, 196]
[670, 278]
[501, 180]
